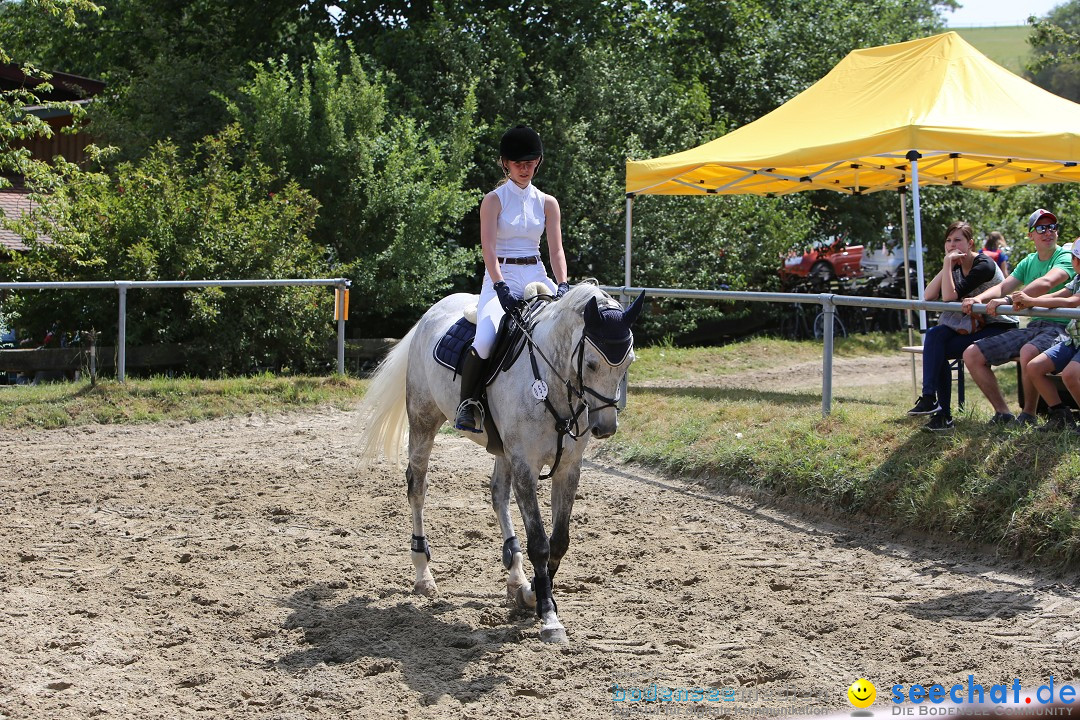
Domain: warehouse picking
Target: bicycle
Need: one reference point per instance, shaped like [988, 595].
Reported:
[796, 325]
[838, 326]
[793, 326]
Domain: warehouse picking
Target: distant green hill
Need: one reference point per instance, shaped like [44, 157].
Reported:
[1007, 46]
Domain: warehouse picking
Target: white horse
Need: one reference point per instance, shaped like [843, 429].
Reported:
[567, 384]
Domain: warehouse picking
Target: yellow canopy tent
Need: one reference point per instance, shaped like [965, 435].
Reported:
[933, 111]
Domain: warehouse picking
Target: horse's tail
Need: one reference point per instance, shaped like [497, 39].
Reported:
[383, 410]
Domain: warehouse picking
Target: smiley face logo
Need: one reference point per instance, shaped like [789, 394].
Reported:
[862, 693]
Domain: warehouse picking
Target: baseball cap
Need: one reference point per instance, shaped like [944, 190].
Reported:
[1039, 215]
[1076, 249]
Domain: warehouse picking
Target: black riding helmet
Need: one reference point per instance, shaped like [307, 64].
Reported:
[521, 143]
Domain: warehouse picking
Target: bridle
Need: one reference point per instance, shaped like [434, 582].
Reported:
[571, 425]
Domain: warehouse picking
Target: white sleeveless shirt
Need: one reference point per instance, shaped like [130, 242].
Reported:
[521, 220]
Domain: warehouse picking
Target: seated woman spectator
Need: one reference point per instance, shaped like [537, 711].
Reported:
[996, 249]
[964, 273]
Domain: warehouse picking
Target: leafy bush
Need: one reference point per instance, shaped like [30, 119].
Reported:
[219, 214]
[391, 189]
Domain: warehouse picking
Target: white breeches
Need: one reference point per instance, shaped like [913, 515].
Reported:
[489, 312]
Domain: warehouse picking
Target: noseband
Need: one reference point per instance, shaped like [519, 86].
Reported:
[571, 426]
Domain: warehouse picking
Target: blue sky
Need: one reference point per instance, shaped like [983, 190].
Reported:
[976, 13]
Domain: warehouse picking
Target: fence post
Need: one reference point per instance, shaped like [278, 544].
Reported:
[626, 257]
[343, 311]
[829, 313]
[121, 333]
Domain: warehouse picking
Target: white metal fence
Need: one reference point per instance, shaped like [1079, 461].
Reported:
[828, 302]
[122, 286]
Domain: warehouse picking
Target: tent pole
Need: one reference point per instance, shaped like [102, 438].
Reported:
[907, 264]
[626, 259]
[914, 156]
[907, 285]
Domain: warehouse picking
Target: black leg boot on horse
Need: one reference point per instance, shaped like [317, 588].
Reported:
[470, 413]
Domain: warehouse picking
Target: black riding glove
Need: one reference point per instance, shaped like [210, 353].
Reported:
[510, 302]
[563, 287]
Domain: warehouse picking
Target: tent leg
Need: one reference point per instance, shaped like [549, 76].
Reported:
[913, 156]
[907, 287]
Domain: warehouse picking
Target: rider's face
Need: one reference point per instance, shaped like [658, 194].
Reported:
[522, 171]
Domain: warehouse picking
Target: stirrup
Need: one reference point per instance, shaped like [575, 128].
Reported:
[470, 409]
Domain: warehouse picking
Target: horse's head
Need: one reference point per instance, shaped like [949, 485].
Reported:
[604, 356]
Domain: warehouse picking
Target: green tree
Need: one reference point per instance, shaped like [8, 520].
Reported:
[217, 214]
[392, 190]
[645, 79]
[16, 123]
[1055, 43]
[754, 55]
[165, 62]
[398, 139]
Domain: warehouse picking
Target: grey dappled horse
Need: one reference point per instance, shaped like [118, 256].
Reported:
[564, 386]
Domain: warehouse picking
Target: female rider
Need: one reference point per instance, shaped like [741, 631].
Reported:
[513, 216]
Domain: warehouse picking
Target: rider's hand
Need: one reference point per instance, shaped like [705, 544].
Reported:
[966, 304]
[510, 302]
[563, 287]
[992, 306]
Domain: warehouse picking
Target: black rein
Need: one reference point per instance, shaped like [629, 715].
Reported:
[568, 426]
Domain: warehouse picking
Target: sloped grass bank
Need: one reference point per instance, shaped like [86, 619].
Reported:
[1016, 489]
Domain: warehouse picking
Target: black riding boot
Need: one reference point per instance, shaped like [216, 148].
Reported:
[470, 413]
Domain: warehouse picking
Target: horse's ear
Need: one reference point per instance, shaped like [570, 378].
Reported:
[631, 313]
[592, 314]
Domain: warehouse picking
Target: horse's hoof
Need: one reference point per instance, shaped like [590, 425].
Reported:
[554, 634]
[426, 588]
[525, 597]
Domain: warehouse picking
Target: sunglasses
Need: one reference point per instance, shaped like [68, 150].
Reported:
[1041, 229]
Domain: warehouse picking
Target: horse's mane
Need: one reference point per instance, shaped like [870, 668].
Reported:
[579, 295]
[565, 316]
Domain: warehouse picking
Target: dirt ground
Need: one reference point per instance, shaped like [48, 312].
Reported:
[248, 568]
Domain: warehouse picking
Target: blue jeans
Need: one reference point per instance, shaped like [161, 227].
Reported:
[941, 345]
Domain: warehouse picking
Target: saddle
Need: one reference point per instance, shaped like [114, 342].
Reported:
[509, 342]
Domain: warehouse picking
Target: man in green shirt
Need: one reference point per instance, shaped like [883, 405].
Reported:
[1043, 271]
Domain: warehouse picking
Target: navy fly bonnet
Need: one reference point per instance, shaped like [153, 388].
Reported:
[608, 330]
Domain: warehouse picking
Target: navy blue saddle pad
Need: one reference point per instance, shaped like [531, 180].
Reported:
[452, 346]
[508, 345]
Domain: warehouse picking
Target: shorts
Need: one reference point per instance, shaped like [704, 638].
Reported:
[1061, 354]
[1002, 348]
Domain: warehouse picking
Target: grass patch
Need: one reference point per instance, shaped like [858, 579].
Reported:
[160, 399]
[1018, 490]
[1007, 46]
[677, 363]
